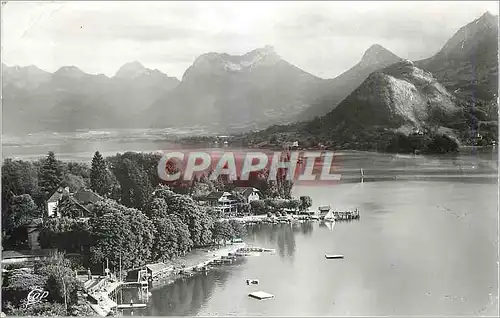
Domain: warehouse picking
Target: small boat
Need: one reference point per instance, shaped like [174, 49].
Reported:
[330, 256]
[252, 282]
[329, 217]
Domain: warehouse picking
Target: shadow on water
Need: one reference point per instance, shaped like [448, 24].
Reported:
[185, 297]
[279, 236]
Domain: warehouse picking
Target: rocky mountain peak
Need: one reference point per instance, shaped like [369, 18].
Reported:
[469, 37]
[130, 70]
[69, 71]
[488, 18]
[222, 62]
[377, 54]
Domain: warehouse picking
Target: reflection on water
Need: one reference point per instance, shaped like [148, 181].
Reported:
[184, 298]
[419, 248]
[280, 236]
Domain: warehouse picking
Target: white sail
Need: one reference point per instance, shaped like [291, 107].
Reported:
[329, 216]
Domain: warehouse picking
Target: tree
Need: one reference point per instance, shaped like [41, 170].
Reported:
[238, 229]
[199, 221]
[78, 169]
[120, 230]
[285, 188]
[184, 242]
[442, 144]
[222, 231]
[283, 184]
[68, 207]
[23, 211]
[51, 174]
[61, 283]
[73, 182]
[43, 309]
[171, 238]
[99, 175]
[305, 203]
[135, 183]
[273, 139]
[19, 177]
[258, 207]
[65, 234]
[293, 204]
[201, 188]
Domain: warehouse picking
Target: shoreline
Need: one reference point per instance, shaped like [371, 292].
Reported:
[188, 264]
[103, 290]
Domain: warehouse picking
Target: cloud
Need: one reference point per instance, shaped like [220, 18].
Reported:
[324, 38]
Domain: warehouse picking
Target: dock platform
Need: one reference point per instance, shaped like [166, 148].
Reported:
[330, 256]
[346, 215]
[260, 295]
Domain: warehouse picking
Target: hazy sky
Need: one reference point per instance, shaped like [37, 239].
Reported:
[323, 38]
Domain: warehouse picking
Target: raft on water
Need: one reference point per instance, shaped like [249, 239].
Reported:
[260, 295]
[329, 256]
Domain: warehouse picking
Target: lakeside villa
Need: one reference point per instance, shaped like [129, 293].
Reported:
[228, 204]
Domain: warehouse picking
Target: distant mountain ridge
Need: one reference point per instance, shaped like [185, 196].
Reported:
[28, 77]
[376, 57]
[230, 91]
[468, 62]
[408, 94]
[70, 99]
[255, 90]
[398, 95]
[452, 93]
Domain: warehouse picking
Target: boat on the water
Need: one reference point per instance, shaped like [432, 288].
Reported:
[329, 217]
[329, 256]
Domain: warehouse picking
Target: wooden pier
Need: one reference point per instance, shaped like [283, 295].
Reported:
[346, 215]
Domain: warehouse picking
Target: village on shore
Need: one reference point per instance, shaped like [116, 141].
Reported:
[76, 233]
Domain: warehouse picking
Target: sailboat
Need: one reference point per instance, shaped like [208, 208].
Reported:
[329, 217]
[330, 225]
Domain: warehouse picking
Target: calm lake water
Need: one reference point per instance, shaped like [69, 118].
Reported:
[420, 248]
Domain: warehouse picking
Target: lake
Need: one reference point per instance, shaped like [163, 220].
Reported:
[420, 248]
[427, 245]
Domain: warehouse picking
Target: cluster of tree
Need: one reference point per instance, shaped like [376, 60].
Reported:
[170, 226]
[475, 116]
[139, 220]
[55, 275]
[426, 143]
[261, 207]
[26, 186]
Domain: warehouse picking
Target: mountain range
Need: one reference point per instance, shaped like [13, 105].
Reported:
[70, 99]
[259, 89]
[453, 92]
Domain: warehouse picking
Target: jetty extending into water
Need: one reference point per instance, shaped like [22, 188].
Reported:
[100, 289]
[346, 215]
[99, 292]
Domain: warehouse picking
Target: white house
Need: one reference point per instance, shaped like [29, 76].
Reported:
[82, 198]
[224, 202]
[249, 193]
[53, 201]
